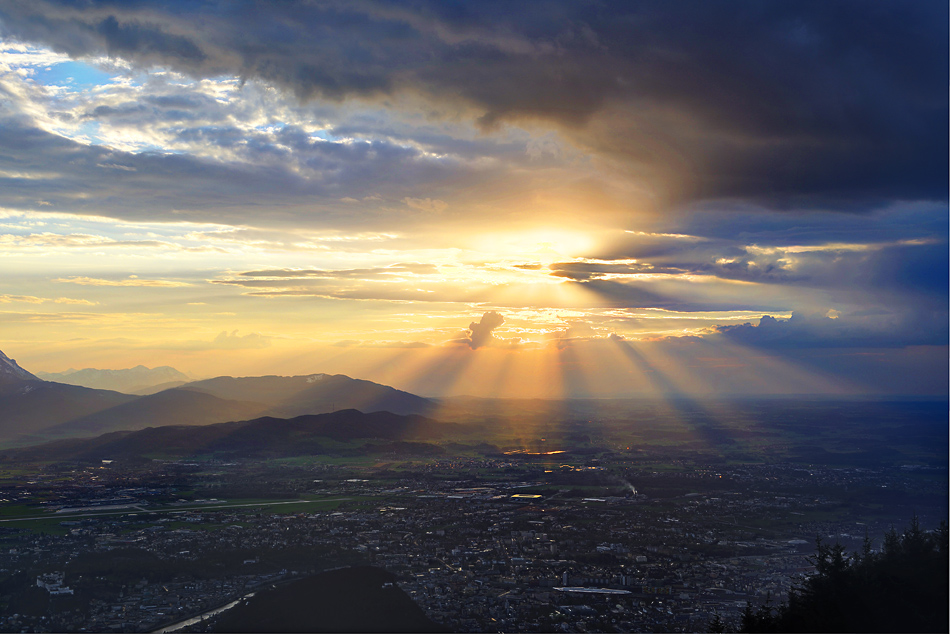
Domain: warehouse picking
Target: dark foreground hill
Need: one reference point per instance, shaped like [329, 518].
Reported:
[360, 599]
[263, 437]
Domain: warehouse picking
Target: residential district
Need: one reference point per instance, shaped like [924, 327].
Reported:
[481, 545]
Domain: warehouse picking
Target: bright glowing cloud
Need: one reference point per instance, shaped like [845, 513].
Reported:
[609, 211]
[29, 299]
[133, 281]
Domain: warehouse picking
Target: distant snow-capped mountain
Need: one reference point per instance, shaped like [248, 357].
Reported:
[129, 381]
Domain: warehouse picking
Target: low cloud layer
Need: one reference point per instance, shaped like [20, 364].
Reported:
[356, 343]
[233, 341]
[804, 331]
[131, 281]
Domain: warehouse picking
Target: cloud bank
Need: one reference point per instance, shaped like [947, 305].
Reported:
[795, 103]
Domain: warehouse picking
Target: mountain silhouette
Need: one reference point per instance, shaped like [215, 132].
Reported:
[10, 370]
[290, 396]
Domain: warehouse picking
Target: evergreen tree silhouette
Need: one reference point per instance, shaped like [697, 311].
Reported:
[903, 588]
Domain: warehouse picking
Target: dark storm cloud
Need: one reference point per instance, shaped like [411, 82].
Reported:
[913, 268]
[900, 250]
[792, 103]
[896, 329]
[918, 270]
[749, 225]
[631, 294]
[591, 270]
[742, 265]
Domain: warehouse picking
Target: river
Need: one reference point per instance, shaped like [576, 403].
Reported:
[174, 627]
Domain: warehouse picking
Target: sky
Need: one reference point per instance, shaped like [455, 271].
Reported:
[487, 198]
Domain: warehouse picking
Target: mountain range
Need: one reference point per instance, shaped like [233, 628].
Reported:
[33, 410]
[137, 380]
[289, 396]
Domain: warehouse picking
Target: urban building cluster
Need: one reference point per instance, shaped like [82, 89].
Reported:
[658, 551]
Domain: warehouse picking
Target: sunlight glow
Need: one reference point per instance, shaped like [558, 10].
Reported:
[543, 245]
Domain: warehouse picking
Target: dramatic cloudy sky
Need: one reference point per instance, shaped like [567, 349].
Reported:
[481, 197]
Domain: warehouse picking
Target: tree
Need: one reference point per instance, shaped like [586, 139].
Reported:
[903, 588]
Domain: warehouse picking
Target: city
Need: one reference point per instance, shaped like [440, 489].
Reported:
[481, 544]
